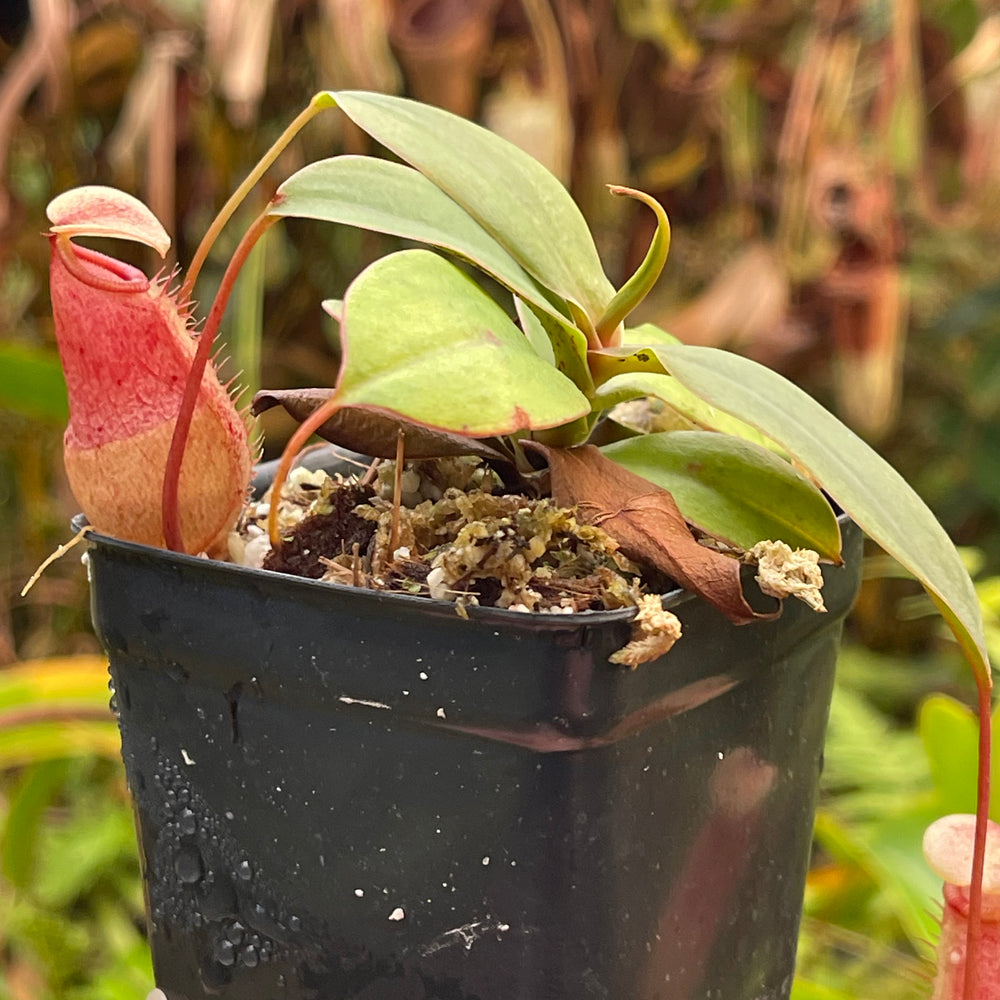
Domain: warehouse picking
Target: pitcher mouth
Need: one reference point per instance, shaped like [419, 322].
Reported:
[96, 269]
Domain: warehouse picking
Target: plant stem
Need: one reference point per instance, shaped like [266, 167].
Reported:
[175, 456]
[303, 432]
[973, 939]
[225, 214]
[397, 490]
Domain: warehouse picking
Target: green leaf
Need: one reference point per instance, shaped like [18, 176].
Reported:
[534, 331]
[733, 489]
[632, 385]
[569, 349]
[647, 333]
[889, 852]
[523, 206]
[55, 708]
[422, 340]
[32, 383]
[32, 795]
[392, 198]
[80, 853]
[610, 362]
[950, 734]
[804, 989]
[641, 283]
[879, 500]
[55, 739]
[81, 680]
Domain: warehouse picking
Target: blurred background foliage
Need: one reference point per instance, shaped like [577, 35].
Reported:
[832, 172]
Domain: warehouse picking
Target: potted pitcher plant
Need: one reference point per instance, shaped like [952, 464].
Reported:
[532, 703]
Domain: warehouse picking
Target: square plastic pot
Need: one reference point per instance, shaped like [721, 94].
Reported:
[348, 794]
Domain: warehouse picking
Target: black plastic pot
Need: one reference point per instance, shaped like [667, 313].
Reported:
[346, 794]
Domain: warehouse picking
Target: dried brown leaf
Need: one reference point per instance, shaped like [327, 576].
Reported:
[645, 521]
[372, 432]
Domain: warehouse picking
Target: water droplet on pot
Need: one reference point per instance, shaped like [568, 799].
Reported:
[175, 671]
[215, 975]
[225, 952]
[266, 924]
[244, 870]
[113, 703]
[187, 823]
[188, 865]
[219, 900]
[294, 924]
[249, 956]
[235, 933]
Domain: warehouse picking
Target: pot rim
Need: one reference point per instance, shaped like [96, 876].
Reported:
[434, 606]
[672, 599]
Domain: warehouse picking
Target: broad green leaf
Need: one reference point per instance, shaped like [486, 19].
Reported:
[569, 349]
[392, 198]
[32, 383]
[632, 385]
[950, 734]
[879, 500]
[523, 206]
[534, 331]
[733, 489]
[610, 362]
[422, 340]
[647, 333]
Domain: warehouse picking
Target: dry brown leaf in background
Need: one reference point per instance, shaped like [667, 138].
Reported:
[744, 304]
[355, 54]
[861, 294]
[530, 105]
[147, 125]
[238, 38]
[441, 45]
[645, 521]
[40, 60]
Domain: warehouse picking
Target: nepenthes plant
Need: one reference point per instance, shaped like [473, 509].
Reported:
[527, 378]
